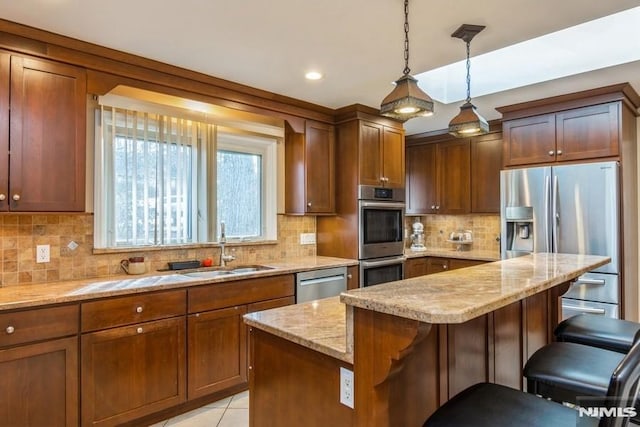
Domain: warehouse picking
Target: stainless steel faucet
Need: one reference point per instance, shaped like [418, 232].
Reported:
[224, 258]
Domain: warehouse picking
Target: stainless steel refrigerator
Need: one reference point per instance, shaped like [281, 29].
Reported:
[567, 209]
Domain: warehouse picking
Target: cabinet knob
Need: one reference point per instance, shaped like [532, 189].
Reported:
[16, 197]
[445, 266]
[437, 207]
[559, 152]
[139, 330]
[308, 204]
[10, 330]
[433, 207]
[139, 309]
[349, 276]
[551, 152]
[3, 197]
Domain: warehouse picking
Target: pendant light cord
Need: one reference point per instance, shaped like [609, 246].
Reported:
[407, 70]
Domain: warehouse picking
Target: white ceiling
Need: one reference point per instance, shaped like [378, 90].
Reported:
[358, 44]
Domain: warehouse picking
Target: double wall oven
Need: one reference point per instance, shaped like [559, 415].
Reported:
[380, 234]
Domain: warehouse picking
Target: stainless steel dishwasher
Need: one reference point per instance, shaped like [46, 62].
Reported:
[316, 284]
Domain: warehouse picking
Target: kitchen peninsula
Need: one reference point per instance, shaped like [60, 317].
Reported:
[411, 344]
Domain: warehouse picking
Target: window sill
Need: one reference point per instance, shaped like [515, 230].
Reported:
[230, 243]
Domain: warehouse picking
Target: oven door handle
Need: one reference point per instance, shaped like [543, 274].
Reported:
[369, 264]
[386, 205]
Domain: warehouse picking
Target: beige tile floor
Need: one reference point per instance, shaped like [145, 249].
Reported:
[230, 412]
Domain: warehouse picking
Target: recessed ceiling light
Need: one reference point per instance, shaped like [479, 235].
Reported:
[313, 75]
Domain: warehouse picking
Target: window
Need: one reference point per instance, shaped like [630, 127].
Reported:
[163, 180]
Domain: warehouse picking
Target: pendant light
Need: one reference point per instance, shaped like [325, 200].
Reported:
[406, 100]
[468, 122]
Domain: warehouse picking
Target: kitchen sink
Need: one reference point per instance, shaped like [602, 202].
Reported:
[241, 269]
[250, 269]
[208, 274]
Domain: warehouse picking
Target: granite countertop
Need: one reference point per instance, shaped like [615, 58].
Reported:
[319, 325]
[460, 295]
[451, 297]
[33, 295]
[451, 252]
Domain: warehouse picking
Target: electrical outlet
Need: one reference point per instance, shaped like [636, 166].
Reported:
[346, 387]
[307, 238]
[42, 253]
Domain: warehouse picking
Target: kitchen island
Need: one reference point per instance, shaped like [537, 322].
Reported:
[411, 344]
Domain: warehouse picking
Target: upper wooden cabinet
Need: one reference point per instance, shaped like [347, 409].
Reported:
[577, 134]
[309, 170]
[381, 155]
[486, 162]
[454, 176]
[45, 170]
[438, 177]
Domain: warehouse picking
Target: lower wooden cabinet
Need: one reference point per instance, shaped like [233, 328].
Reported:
[422, 266]
[39, 385]
[132, 371]
[217, 351]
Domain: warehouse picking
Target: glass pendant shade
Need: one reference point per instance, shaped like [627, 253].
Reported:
[406, 101]
[468, 122]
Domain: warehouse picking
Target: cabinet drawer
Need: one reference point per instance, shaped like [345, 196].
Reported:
[114, 312]
[39, 324]
[220, 295]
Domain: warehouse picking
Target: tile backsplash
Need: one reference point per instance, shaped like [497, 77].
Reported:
[485, 228]
[21, 233]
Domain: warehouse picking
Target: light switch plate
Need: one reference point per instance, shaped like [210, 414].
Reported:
[307, 238]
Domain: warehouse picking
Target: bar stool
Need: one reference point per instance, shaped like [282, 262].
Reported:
[495, 405]
[598, 331]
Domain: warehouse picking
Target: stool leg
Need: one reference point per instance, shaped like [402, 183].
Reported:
[532, 386]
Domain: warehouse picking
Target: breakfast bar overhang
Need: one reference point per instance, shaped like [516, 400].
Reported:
[411, 344]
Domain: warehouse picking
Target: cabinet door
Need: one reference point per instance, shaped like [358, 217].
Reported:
[393, 157]
[4, 134]
[370, 151]
[589, 132]
[437, 265]
[353, 277]
[529, 140]
[132, 371]
[486, 162]
[454, 183]
[217, 351]
[47, 136]
[39, 384]
[455, 263]
[319, 167]
[415, 267]
[421, 179]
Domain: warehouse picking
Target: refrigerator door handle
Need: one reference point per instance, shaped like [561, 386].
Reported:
[547, 198]
[555, 219]
[600, 311]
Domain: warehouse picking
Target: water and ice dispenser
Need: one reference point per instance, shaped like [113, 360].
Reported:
[519, 231]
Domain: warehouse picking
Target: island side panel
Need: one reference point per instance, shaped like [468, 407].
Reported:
[403, 374]
[292, 385]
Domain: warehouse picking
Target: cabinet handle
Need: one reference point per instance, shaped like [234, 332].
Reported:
[10, 330]
[139, 309]
[139, 330]
[349, 276]
[551, 152]
[16, 197]
[3, 197]
[559, 152]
